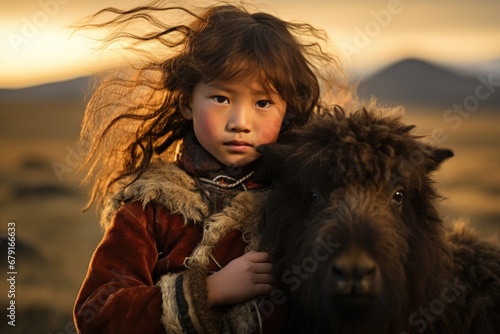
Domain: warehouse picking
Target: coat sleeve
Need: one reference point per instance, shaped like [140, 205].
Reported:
[119, 295]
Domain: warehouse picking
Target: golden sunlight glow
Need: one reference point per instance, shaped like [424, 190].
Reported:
[35, 48]
[50, 55]
[466, 48]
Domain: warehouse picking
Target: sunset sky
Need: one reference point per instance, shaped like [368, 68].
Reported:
[36, 45]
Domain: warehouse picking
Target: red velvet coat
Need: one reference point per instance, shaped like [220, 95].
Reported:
[148, 273]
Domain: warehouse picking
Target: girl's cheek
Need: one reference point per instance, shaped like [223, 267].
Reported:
[271, 130]
[205, 128]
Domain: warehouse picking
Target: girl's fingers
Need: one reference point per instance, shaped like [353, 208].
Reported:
[258, 256]
[264, 279]
[262, 268]
[263, 289]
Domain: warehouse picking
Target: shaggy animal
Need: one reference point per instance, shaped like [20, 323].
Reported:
[358, 241]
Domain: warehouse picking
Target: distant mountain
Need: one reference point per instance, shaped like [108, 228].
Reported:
[71, 89]
[409, 81]
[52, 110]
[413, 81]
[491, 66]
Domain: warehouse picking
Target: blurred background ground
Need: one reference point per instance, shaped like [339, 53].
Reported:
[54, 240]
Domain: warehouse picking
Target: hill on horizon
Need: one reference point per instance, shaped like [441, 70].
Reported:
[415, 81]
[74, 88]
[408, 81]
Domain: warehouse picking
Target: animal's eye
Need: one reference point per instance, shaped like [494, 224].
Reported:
[316, 198]
[398, 196]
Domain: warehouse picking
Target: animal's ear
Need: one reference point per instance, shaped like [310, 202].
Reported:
[272, 160]
[438, 155]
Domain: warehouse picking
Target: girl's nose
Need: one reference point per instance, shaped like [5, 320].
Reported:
[238, 120]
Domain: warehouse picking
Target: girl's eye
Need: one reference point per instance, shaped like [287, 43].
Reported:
[263, 104]
[221, 99]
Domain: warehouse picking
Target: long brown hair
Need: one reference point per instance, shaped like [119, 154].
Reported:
[134, 113]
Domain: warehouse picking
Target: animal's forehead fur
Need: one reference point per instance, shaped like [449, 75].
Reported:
[362, 147]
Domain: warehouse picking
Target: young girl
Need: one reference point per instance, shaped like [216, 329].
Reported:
[172, 155]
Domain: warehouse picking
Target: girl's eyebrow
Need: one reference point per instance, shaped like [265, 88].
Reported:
[220, 86]
[229, 89]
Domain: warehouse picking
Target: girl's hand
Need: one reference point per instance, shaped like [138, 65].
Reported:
[245, 277]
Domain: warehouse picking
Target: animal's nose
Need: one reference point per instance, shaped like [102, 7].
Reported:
[354, 274]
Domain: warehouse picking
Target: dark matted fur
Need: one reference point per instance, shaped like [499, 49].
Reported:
[338, 187]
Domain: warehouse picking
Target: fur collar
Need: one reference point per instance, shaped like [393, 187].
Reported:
[168, 185]
[164, 183]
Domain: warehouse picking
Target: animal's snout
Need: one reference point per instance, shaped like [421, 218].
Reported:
[355, 273]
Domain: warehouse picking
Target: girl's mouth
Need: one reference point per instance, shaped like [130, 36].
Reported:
[238, 145]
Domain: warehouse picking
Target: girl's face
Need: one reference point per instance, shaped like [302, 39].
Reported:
[231, 119]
